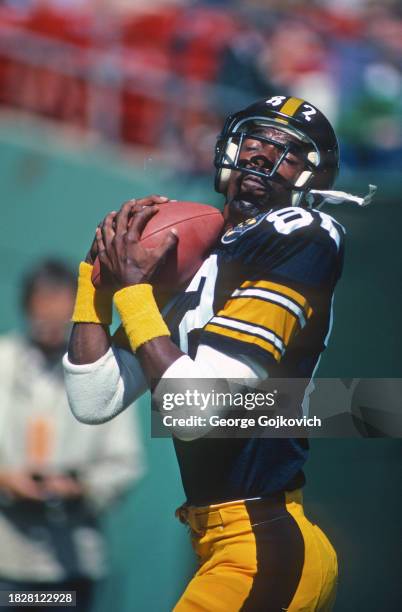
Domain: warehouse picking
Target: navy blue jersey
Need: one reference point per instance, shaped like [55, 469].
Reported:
[265, 292]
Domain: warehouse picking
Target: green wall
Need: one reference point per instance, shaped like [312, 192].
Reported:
[52, 199]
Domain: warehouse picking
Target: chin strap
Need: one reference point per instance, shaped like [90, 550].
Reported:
[317, 198]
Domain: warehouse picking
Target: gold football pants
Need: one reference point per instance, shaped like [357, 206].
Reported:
[259, 556]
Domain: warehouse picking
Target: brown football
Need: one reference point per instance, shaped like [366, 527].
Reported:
[198, 227]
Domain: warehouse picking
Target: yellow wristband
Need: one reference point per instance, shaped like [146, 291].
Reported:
[91, 305]
[139, 314]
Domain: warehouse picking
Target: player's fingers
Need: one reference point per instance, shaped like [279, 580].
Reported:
[93, 251]
[150, 200]
[121, 219]
[108, 221]
[100, 245]
[138, 204]
[107, 229]
[139, 222]
[169, 243]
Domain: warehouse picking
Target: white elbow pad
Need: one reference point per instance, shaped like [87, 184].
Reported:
[99, 391]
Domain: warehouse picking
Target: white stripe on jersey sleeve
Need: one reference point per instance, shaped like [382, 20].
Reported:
[273, 297]
[256, 330]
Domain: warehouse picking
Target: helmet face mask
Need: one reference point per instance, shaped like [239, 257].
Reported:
[311, 136]
[231, 156]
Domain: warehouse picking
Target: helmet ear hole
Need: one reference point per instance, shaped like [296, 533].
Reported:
[313, 157]
[228, 157]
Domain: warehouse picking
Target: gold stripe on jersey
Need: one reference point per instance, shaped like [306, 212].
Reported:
[284, 291]
[259, 316]
[258, 312]
[244, 337]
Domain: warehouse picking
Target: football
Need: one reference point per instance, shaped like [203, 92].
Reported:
[198, 227]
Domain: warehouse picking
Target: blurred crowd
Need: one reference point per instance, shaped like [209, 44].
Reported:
[161, 75]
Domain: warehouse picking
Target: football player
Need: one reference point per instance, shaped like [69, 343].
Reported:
[259, 306]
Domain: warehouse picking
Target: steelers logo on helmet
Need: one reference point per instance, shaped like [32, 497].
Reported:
[312, 136]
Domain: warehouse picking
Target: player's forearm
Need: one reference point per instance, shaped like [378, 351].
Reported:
[90, 338]
[156, 356]
[147, 332]
[88, 342]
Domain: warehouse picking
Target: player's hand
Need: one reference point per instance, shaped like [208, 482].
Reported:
[119, 247]
[151, 200]
[93, 251]
[20, 485]
[135, 205]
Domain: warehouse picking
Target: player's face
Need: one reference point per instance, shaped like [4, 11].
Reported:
[247, 194]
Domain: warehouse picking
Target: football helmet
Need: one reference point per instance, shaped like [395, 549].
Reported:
[313, 136]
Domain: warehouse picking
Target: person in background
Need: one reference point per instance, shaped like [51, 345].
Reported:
[56, 474]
